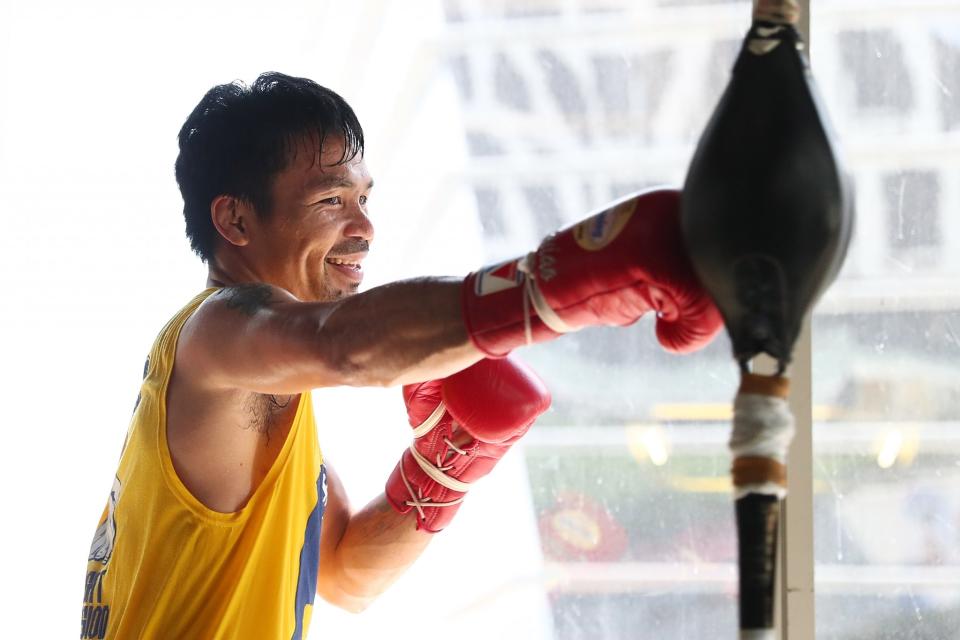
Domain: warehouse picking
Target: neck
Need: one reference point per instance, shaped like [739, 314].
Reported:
[224, 271]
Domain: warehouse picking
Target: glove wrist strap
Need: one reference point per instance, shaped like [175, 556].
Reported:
[534, 296]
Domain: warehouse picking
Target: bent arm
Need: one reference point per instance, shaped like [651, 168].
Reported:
[260, 338]
[362, 554]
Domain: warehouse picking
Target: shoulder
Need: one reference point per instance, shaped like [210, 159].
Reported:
[243, 334]
[246, 299]
[232, 308]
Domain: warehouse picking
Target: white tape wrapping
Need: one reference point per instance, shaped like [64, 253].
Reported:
[777, 11]
[763, 427]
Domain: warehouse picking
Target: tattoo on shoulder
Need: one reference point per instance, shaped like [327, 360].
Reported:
[247, 298]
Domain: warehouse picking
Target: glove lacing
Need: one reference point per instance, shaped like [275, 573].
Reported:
[534, 296]
[436, 472]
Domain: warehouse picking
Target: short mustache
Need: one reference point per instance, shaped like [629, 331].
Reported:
[350, 247]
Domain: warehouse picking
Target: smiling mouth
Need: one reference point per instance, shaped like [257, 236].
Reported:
[348, 268]
[344, 263]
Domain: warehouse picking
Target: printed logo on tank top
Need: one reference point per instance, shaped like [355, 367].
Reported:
[102, 547]
[96, 612]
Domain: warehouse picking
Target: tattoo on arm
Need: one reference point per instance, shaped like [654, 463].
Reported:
[247, 298]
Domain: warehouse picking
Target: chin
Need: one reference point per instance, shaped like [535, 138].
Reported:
[346, 293]
[331, 294]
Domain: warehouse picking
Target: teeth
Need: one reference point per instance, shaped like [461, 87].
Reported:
[355, 265]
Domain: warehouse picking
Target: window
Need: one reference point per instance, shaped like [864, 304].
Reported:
[886, 365]
[912, 211]
[490, 123]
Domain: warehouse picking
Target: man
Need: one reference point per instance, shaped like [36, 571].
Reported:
[224, 519]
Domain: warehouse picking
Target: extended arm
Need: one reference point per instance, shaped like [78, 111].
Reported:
[608, 269]
[260, 338]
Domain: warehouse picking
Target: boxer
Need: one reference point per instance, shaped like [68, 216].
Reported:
[224, 519]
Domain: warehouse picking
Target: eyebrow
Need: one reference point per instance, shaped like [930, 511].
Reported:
[330, 182]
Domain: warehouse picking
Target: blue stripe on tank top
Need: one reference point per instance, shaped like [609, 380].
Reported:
[310, 555]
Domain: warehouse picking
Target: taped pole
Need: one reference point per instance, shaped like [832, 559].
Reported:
[766, 240]
[763, 429]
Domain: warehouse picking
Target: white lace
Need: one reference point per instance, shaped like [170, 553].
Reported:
[427, 425]
[435, 471]
[534, 296]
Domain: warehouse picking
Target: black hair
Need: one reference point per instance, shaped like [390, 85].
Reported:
[239, 137]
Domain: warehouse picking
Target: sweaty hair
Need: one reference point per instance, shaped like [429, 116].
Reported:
[239, 137]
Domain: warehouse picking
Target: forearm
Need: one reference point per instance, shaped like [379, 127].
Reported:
[261, 338]
[397, 333]
[487, 407]
[377, 547]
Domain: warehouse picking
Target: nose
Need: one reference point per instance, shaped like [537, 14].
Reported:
[359, 226]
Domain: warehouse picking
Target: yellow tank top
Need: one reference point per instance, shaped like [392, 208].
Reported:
[162, 565]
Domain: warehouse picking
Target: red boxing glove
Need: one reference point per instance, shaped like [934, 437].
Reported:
[494, 402]
[608, 269]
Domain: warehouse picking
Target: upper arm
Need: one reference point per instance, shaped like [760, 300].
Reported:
[336, 516]
[259, 338]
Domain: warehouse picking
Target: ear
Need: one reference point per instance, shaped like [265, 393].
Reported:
[231, 217]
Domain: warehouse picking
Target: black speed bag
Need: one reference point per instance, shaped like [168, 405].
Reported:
[767, 209]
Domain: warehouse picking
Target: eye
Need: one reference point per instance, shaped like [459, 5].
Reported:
[332, 200]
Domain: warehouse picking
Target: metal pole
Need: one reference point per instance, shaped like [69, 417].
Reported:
[796, 560]
[798, 613]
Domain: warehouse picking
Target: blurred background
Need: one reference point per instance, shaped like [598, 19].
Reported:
[489, 124]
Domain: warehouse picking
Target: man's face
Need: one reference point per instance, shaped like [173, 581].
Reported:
[318, 232]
